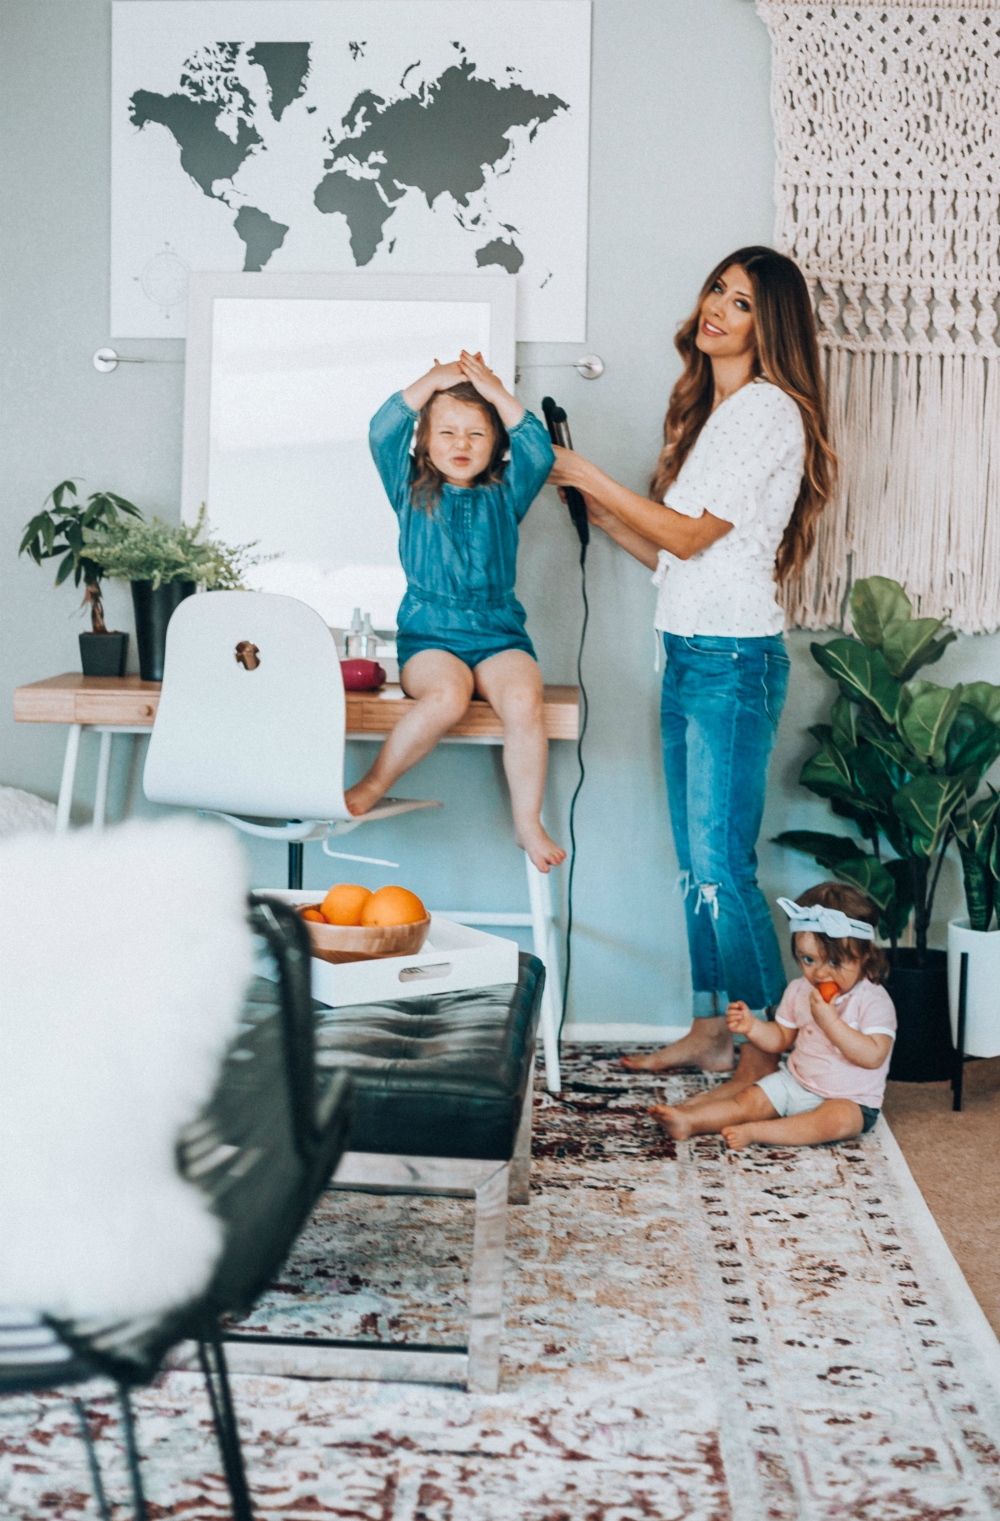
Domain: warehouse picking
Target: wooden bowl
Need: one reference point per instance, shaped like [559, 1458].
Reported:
[360, 942]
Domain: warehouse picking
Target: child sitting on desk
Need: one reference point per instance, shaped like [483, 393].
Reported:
[840, 1021]
[461, 629]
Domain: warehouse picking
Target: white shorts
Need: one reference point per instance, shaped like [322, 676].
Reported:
[787, 1094]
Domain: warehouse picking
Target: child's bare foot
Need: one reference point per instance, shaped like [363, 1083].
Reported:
[543, 852]
[363, 796]
[707, 1045]
[738, 1136]
[672, 1119]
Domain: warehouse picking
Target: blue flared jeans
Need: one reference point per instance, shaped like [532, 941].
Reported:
[722, 699]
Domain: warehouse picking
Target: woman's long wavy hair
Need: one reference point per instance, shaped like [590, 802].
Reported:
[427, 480]
[788, 356]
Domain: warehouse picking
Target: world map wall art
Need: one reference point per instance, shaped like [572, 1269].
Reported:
[391, 136]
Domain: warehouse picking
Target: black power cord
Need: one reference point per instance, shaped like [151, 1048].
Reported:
[558, 426]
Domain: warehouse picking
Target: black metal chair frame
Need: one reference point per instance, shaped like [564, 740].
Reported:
[262, 1220]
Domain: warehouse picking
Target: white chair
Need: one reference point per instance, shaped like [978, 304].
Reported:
[251, 723]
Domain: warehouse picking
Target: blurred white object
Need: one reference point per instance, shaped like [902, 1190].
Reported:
[23, 812]
[124, 958]
[982, 1002]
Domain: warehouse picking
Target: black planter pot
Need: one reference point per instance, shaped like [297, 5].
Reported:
[154, 607]
[103, 654]
[923, 1051]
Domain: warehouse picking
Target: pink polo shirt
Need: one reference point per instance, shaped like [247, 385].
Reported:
[815, 1061]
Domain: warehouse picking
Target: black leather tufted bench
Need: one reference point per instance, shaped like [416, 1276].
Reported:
[442, 1098]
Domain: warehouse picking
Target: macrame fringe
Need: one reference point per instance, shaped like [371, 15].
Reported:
[918, 438]
[887, 193]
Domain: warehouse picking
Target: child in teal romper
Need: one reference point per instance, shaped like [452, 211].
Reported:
[461, 629]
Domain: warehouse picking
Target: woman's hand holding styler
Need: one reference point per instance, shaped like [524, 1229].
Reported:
[658, 526]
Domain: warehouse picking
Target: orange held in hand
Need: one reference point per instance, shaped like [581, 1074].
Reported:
[393, 905]
[344, 903]
[828, 990]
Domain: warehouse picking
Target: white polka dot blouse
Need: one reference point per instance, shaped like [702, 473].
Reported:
[746, 468]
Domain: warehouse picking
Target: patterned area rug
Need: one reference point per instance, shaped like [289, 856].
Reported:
[764, 1336]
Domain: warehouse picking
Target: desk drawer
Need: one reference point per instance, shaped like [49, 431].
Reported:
[116, 707]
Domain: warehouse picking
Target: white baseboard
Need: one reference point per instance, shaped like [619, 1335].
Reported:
[623, 1035]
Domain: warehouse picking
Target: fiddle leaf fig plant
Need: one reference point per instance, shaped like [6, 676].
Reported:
[64, 530]
[978, 836]
[903, 758]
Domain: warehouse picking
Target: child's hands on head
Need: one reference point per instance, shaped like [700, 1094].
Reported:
[446, 375]
[478, 373]
[739, 1020]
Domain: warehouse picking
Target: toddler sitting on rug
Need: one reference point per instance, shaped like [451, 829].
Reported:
[831, 1086]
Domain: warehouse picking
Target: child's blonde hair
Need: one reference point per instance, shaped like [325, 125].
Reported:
[425, 487]
[870, 959]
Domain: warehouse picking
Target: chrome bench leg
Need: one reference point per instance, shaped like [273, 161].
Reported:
[519, 1187]
[486, 1290]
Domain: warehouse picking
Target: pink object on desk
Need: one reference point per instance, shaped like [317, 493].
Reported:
[362, 675]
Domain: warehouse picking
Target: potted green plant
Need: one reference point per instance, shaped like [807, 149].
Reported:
[63, 531]
[164, 564]
[902, 759]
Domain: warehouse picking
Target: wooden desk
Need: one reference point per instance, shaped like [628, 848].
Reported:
[129, 704]
[110, 705]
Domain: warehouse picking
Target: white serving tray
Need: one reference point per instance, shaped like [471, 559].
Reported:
[454, 958]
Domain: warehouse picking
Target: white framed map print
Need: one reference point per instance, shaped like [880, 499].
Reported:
[389, 136]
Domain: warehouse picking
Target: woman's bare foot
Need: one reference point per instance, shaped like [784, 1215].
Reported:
[672, 1119]
[363, 795]
[751, 1067]
[738, 1136]
[707, 1045]
[541, 848]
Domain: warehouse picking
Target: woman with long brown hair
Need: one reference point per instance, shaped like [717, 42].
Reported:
[745, 471]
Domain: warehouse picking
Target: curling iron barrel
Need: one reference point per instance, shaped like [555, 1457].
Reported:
[558, 426]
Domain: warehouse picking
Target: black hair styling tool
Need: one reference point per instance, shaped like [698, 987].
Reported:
[558, 426]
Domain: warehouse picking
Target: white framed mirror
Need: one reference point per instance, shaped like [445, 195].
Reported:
[284, 373]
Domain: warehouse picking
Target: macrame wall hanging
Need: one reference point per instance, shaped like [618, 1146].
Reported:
[887, 126]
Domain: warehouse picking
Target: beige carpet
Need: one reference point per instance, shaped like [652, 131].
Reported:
[953, 1158]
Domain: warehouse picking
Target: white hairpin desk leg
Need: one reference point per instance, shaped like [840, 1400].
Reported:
[101, 790]
[68, 777]
[543, 928]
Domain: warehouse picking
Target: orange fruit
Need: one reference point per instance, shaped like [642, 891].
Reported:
[312, 914]
[828, 990]
[344, 902]
[393, 905]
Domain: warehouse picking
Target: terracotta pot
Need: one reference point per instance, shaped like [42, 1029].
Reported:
[349, 942]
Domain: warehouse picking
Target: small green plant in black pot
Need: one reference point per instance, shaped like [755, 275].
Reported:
[61, 532]
[902, 759]
[164, 564]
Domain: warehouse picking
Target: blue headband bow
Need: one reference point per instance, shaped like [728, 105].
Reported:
[828, 921]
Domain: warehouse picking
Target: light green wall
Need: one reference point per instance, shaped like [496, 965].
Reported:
[682, 163]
